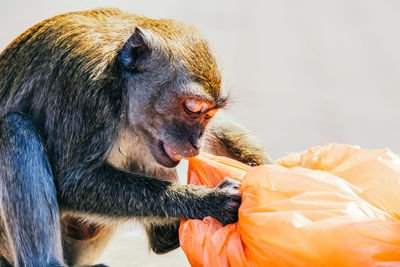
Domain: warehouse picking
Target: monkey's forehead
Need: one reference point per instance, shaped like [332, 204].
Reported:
[203, 68]
[196, 91]
[200, 64]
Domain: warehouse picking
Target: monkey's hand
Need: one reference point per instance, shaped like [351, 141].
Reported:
[227, 201]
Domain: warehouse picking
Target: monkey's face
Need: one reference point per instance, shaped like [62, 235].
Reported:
[171, 125]
[169, 106]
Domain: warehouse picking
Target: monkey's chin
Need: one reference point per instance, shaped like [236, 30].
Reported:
[161, 156]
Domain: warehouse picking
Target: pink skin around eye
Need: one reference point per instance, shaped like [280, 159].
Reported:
[195, 106]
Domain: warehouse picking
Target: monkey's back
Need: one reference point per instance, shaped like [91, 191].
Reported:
[62, 74]
[75, 44]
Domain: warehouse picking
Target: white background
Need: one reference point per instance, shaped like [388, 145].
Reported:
[301, 73]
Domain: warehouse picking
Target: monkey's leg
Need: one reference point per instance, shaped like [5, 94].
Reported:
[85, 252]
[163, 237]
[28, 198]
[225, 137]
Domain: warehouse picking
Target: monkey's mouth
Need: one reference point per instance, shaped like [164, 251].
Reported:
[171, 154]
[165, 156]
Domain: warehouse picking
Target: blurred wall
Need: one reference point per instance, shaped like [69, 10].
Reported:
[301, 73]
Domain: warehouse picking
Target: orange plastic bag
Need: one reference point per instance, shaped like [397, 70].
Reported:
[336, 205]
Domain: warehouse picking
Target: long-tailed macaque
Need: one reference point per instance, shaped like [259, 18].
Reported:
[97, 108]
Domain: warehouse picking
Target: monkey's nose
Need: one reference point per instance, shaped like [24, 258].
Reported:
[194, 141]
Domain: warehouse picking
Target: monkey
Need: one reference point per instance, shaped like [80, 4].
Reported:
[97, 109]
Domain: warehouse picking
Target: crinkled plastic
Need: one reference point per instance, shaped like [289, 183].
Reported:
[336, 205]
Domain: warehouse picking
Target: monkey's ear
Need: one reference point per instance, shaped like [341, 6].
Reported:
[134, 52]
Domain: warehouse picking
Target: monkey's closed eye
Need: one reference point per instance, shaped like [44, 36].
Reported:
[197, 108]
[194, 107]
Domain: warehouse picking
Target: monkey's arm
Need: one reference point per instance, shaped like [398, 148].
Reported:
[225, 137]
[108, 191]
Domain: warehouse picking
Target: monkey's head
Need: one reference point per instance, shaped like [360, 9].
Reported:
[174, 88]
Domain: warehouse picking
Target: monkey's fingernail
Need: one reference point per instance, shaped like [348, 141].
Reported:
[172, 154]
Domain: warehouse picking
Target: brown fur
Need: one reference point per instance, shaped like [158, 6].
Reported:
[84, 47]
[81, 29]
